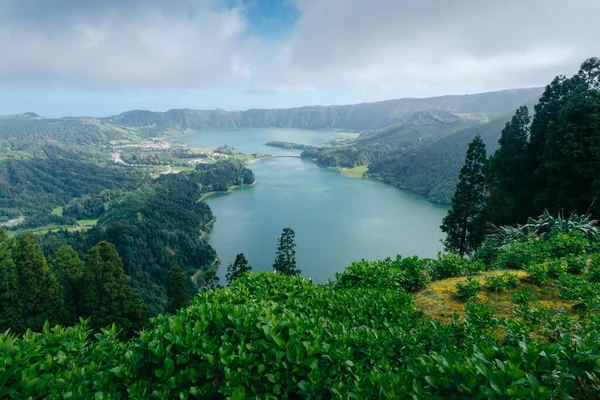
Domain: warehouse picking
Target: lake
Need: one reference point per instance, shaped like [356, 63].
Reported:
[336, 219]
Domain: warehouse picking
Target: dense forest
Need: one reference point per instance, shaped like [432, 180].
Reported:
[155, 227]
[55, 174]
[546, 163]
[423, 153]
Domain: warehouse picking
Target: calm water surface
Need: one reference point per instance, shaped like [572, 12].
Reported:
[337, 220]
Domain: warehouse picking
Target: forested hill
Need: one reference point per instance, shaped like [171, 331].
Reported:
[422, 153]
[363, 116]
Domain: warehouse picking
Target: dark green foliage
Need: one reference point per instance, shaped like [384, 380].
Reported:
[285, 260]
[468, 290]
[465, 224]
[9, 284]
[556, 166]
[33, 186]
[236, 269]
[70, 271]
[593, 272]
[158, 226]
[108, 298]
[177, 290]
[91, 207]
[210, 280]
[506, 170]
[39, 294]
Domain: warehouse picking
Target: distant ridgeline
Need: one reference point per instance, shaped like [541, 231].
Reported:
[416, 144]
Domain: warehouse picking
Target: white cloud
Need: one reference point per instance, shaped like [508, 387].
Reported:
[449, 44]
[336, 48]
[144, 47]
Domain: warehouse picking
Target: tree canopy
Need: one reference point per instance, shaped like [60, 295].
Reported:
[465, 224]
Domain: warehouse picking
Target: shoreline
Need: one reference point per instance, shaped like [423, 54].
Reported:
[231, 189]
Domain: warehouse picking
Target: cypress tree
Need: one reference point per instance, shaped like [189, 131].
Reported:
[39, 292]
[178, 295]
[285, 260]
[108, 296]
[70, 271]
[568, 164]
[464, 224]
[236, 269]
[506, 170]
[10, 312]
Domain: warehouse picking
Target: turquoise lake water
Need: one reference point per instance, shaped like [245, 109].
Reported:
[336, 219]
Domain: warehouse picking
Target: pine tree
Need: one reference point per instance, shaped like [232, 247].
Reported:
[285, 260]
[506, 170]
[108, 296]
[568, 164]
[236, 269]
[178, 294]
[70, 271]
[465, 224]
[39, 292]
[10, 311]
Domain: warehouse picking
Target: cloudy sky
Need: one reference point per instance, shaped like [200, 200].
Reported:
[102, 57]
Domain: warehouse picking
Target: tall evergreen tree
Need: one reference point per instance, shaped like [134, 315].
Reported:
[108, 296]
[465, 225]
[70, 271]
[236, 269]
[568, 165]
[285, 260]
[10, 312]
[506, 171]
[39, 292]
[178, 294]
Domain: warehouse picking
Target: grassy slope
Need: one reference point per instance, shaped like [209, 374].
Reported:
[439, 298]
[356, 172]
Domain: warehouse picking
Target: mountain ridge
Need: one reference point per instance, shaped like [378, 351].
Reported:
[360, 116]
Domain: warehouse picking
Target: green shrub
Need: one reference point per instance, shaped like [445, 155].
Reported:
[519, 254]
[452, 265]
[467, 290]
[580, 289]
[561, 244]
[555, 268]
[410, 274]
[538, 274]
[593, 271]
[499, 283]
[487, 254]
[576, 264]
[511, 281]
[494, 283]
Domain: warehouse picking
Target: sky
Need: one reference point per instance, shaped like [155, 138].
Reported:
[103, 57]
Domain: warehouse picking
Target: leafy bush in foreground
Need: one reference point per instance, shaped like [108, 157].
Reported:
[271, 336]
